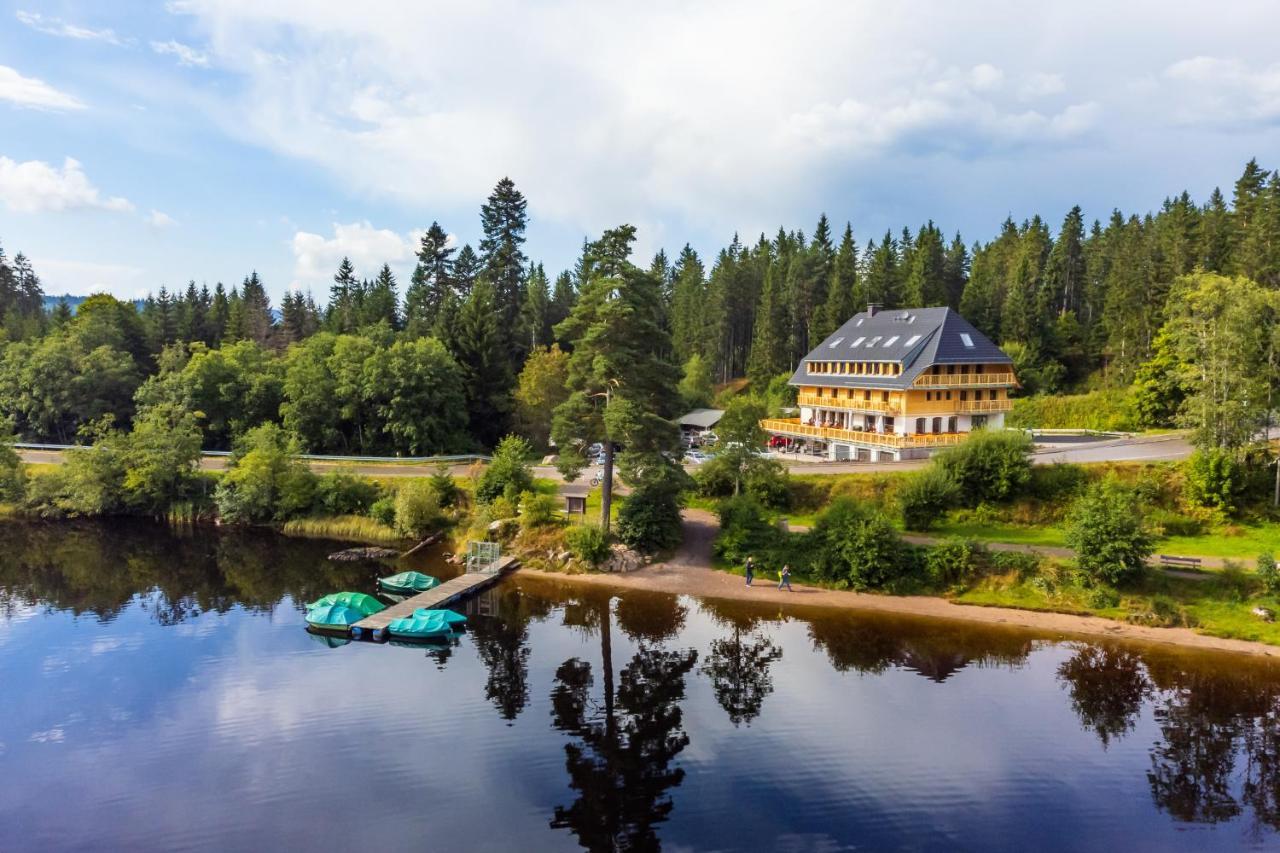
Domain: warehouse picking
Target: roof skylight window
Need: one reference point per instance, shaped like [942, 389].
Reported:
[911, 340]
[874, 340]
[836, 343]
[858, 341]
[891, 341]
[968, 341]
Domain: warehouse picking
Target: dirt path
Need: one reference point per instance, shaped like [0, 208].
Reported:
[690, 572]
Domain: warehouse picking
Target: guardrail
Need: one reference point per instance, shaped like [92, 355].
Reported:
[310, 457]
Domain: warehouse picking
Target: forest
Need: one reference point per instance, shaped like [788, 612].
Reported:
[1169, 314]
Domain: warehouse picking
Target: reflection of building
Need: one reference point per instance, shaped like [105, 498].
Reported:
[896, 385]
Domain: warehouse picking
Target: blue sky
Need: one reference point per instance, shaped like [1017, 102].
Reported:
[149, 143]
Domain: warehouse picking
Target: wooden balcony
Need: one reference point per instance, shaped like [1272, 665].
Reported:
[792, 426]
[980, 406]
[963, 380]
[856, 404]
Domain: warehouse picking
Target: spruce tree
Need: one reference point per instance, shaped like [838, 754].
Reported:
[769, 345]
[466, 268]
[563, 295]
[688, 300]
[503, 220]
[535, 317]
[381, 302]
[219, 314]
[1064, 272]
[955, 271]
[882, 274]
[257, 323]
[432, 279]
[340, 314]
[482, 351]
[1216, 234]
[925, 285]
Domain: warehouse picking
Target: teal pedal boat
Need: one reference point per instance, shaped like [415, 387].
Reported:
[452, 619]
[408, 583]
[366, 604]
[333, 617]
[433, 627]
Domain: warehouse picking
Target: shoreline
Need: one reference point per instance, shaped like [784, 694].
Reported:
[713, 584]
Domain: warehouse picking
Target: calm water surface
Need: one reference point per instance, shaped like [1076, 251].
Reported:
[160, 693]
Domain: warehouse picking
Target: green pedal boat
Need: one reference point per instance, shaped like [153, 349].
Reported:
[431, 626]
[366, 604]
[408, 583]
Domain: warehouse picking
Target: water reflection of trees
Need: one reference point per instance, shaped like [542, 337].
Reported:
[739, 664]
[502, 642]
[935, 650]
[175, 574]
[1218, 753]
[1107, 686]
[620, 761]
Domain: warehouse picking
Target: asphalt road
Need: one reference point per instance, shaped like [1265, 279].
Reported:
[1048, 451]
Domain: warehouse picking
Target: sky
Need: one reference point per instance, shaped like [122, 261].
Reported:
[152, 143]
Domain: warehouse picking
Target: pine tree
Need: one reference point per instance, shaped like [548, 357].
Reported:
[1216, 234]
[432, 279]
[257, 324]
[770, 349]
[219, 315]
[844, 291]
[925, 285]
[503, 220]
[381, 303]
[882, 276]
[340, 315]
[535, 317]
[235, 317]
[466, 269]
[482, 351]
[688, 298]
[955, 270]
[563, 295]
[1064, 272]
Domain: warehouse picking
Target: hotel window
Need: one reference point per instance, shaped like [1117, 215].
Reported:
[948, 395]
[964, 395]
[866, 395]
[951, 368]
[884, 396]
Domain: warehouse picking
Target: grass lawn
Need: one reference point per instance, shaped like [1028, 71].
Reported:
[1243, 542]
[1018, 534]
[1214, 607]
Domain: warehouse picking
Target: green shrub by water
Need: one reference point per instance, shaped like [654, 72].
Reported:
[588, 543]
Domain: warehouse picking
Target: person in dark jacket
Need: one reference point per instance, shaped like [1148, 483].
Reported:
[750, 569]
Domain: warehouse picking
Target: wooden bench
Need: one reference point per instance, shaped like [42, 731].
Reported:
[1184, 562]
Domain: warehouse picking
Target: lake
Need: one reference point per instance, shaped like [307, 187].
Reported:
[160, 693]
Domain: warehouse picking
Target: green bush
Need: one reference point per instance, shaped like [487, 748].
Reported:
[588, 543]
[1102, 597]
[266, 480]
[745, 531]
[926, 497]
[13, 473]
[1268, 573]
[1025, 563]
[1168, 523]
[857, 546]
[92, 481]
[1213, 479]
[1109, 410]
[1106, 529]
[1057, 481]
[539, 510]
[509, 473]
[342, 493]
[989, 466]
[417, 509]
[383, 510]
[650, 519]
[953, 561]
[766, 480]
[446, 489]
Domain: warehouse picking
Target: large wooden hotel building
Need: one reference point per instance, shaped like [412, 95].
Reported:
[897, 385]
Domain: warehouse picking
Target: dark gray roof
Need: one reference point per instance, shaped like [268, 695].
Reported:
[702, 418]
[918, 338]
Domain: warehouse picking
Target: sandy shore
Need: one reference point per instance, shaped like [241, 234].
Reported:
[689, 572]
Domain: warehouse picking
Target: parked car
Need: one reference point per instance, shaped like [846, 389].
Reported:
[695, 457]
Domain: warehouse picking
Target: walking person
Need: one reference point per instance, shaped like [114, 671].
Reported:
[784, 579]
[750, 569]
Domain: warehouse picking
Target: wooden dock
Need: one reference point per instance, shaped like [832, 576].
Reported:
[433, 599]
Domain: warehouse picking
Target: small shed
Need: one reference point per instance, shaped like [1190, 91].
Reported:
[701, 420]
[575, 498]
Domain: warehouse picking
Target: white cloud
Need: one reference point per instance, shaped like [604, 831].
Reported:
[186, 55]
[317, 257]
[160, 220]
[33, 93]
[35, 186]
[1041, 85]
[62, 29]
[1225, 91]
